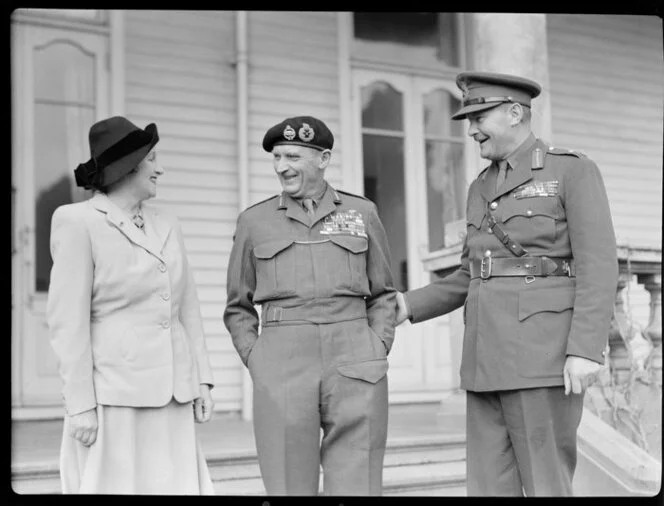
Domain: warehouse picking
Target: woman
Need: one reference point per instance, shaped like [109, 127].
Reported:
[125, 324]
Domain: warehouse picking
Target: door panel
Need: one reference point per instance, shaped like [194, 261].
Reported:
[60, 89]
[411, 156]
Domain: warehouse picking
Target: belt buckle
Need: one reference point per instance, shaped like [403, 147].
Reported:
[567, 268]
[485, 268]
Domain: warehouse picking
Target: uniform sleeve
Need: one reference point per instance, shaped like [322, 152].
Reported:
[444, 294]
[593, 244]
[381, 304]
[68, 308]
[190, 315]
[240, 316]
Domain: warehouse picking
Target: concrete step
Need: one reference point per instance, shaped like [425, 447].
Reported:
[430, 465]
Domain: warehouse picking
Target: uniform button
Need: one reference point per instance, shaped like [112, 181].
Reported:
[551, 148]
[162, 267]
[165, 324]
[529, 212]
[489, 231]
[487, 253]
[494, 205]
[165, 296]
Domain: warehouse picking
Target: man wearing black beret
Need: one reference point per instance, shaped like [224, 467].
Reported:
[537, 280]
[316, 259]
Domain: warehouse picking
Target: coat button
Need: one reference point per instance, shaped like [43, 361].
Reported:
[165, 296]
[165, 324]
[489, 231]
[494, 205]
[162, 267]
[529, 212]
[487, 253]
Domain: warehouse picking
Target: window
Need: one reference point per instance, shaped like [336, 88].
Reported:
[433, 36]
[445, 177]
[64, 108]
[384, 172]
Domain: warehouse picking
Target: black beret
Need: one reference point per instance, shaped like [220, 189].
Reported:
[301, 131]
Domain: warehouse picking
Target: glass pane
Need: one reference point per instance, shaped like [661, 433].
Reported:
[448, 48]
[382, 107]
[412, 28]
[384, 185]
[446, 190]
[428, 36]
[64, 72]
[439, 105]
[63, 115]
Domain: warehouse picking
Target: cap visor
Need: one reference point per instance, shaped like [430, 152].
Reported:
[461, 113]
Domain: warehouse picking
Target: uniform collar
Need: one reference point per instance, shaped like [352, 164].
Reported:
[284, 197]
[521, 171]
[327, 204]
[521, 155]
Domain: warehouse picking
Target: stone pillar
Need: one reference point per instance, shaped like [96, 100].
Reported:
[653, 283]
[515, 44]
[619, 335]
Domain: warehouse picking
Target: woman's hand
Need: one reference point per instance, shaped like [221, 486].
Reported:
[83, 426]
[203, 405]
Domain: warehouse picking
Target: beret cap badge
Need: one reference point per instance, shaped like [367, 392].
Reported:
[289, 133]
[306, 133]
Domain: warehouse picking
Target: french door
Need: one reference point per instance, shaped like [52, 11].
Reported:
[412, 160]
[59, 88]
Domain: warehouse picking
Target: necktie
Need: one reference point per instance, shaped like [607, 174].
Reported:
[309, 206]
[502, 173]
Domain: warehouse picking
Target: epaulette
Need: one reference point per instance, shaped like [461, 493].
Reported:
[263, 201]
[560, 151]
[352, 194]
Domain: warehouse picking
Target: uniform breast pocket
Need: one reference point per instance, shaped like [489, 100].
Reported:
[275, 268]
[348, 262]
[474, 219]
[531, 221]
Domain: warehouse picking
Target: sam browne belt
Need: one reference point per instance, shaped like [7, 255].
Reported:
[489, 267]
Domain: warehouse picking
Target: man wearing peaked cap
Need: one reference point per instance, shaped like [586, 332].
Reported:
[316, 259]
[537, 282]
[485, 90]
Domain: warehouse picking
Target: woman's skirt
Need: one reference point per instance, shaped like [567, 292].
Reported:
[137, 451]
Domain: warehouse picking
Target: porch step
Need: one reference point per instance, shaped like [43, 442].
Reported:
[428, 465]
[413, 466]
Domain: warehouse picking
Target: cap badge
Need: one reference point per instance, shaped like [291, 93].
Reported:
[463, 86]
[289, 133]
[306, 133]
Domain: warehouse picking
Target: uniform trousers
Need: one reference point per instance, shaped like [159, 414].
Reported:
[522, 441]
[308, 377]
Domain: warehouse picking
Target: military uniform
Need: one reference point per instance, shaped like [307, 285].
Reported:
[537, 281]
[327, 325]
